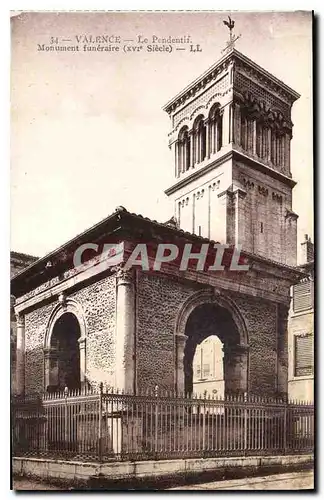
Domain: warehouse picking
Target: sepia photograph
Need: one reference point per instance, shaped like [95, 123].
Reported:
[162, 250]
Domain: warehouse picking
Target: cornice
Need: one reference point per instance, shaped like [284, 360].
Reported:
[236, 155]
[269, 80]
[198, 173]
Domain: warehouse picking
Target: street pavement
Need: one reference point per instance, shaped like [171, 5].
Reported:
[290, 481]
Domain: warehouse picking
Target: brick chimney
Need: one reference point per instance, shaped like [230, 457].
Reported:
[307, 252]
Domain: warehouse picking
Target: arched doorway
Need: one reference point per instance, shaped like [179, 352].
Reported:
[64, 362]
[211, 319]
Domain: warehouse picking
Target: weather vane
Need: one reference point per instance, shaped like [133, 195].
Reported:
[232, 38]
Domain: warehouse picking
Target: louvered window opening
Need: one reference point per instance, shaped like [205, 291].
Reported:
[304, 356]
[303, 296]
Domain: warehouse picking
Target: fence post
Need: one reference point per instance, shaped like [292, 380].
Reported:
[285, 428]
[100, 423]
[245, 423]
[156, 392]
[66, 431]
[204, 420]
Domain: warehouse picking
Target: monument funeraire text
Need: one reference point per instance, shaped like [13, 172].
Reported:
[230, 135]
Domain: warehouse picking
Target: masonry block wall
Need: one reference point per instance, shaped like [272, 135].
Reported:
[260, 317]
[98, 303]
[158, 304]
[268, 230]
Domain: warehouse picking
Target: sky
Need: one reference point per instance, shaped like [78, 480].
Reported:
[88, 132]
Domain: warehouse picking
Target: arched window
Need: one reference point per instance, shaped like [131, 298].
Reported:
[215, 129]
[200, 139]
[244, 132]
[183, 153]
[265, 142]
[279, 148]
[259, 140]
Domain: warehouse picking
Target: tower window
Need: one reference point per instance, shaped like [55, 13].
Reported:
[261, 227]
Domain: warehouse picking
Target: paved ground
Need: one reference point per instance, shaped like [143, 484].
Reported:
[28, 485]
[290, 481]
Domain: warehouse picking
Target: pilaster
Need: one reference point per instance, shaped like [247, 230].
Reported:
[20, 355]
[125, 330]
[180, 342]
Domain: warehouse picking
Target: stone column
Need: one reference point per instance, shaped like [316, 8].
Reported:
[20, 354]
[180, 342]
[192, 148]
[226, 210]
[208, 145]
[125, 331]
[254, 136]
[83, 368]
[236, 369]
[226, 124]
[240, 195]
[237, 124]
[287, 152]
[176, 158]
[268, 157]
[230, 123]
[51, 367]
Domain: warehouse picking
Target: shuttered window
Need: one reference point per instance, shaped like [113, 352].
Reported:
[304, 356]
[206, 370]
[303, 296]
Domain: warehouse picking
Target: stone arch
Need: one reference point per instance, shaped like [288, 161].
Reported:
[192, 304]
[184, 149]
[211, 297]
[184, 122]
[212, 101]
[197, 113]
[66, 309]
[64, 306]
[200, 138]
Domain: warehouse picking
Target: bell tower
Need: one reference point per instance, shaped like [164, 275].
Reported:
[230, 136]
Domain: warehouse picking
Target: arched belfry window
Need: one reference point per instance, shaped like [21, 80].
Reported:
[183, 150]
[262, 140]
[215, 129]
[200, 138]
[277, 147]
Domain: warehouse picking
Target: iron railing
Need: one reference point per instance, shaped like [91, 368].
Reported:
[106, 426]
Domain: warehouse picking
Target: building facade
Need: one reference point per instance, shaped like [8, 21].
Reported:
[138, 327]
[301, 331]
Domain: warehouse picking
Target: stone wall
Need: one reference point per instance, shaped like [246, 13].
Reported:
[267, 201]
[98, 303]
[35, 331]
[260, 317]
[158, 302]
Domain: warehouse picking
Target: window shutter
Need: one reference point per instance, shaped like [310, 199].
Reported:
[304, 356]
[303, 296]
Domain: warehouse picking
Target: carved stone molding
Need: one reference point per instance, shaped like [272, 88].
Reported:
[263, 190]
[277, 197]
[124, 276]
[20, 320]
[82, 342]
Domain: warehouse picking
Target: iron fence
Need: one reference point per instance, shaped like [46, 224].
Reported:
[107, 426]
